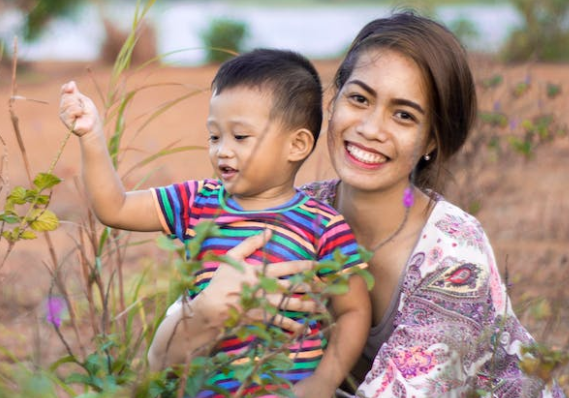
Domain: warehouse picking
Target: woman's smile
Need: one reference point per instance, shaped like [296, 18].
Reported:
[368, 157]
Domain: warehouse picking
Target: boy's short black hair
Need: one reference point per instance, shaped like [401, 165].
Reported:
[294, 83]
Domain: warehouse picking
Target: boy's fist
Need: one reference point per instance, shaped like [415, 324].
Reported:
[77, 111]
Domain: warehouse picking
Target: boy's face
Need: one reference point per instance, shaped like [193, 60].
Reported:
[247, 149]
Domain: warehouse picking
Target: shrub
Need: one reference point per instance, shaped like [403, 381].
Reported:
[544, 35]
[465, 30]
[223, 39]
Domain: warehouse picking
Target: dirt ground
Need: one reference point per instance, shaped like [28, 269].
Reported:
[524, 205]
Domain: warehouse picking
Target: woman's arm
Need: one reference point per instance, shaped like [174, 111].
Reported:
[349, 333]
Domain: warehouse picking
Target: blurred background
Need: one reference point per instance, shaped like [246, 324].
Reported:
[81, 30]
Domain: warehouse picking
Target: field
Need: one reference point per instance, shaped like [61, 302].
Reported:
[520, 199]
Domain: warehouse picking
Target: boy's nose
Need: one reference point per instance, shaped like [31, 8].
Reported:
[224, 150]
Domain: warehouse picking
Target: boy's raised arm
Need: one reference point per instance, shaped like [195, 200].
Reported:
[113, 206]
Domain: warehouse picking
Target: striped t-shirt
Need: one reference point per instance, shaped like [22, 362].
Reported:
[302, 229]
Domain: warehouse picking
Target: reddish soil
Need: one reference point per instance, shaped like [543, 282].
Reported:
[524, 205]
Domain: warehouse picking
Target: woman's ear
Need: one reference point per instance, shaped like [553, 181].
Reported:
[431, 146]
[330, 108]
[301, 145]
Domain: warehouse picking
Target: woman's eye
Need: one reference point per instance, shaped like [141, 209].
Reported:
[360, 99]
[213, 138]
[405, 116]
[240, 137]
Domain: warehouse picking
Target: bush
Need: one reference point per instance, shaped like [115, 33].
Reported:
[223, 39]
[544, 35]
[465, 30]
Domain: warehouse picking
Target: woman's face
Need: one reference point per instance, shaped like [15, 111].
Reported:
[379, 122]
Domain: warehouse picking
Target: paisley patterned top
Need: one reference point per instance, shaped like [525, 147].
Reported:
[454, 331]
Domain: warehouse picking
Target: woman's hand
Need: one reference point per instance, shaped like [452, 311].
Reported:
[225, 287]
[313, 387]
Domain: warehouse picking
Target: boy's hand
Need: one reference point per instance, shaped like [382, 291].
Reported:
[77, 111]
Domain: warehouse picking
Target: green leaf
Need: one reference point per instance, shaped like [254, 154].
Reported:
[43, 220]
[166, 243]
[365, 254]
[42, 199]
[270, 285]
[368, 277]
[31, 195]
[28, 235]
[102, 241]
[66, 359]
[340, 258]
[337, 289]
[46, 181]
[78, 378]
[9, 218]
[282, 361]
[13, 235]
[17, 196]
[8, 236]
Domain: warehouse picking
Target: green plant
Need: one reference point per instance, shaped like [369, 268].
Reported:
[512, 124]
[465, 30]
[544, 34]
[39, 13]
[26, 211]
[224, 39]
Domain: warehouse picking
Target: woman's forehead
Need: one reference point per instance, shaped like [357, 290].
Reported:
[390, 68]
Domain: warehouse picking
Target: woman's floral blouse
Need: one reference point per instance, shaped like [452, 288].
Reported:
[455, 334]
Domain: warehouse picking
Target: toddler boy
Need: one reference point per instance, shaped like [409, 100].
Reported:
[264, 119]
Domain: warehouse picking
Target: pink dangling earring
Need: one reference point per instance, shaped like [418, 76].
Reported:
[427, 157]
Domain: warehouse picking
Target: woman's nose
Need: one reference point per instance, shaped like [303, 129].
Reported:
[372, 126]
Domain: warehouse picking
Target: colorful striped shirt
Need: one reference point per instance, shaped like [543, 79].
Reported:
[302, 229]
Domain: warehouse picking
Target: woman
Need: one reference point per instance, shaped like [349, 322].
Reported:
[405, 102]
[443, 326]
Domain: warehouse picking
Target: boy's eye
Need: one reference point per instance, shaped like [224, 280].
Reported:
[240, 137]
[213, 138]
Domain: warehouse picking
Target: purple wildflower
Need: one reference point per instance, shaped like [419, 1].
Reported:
[55, 307]
[497, 106]
[408, 197]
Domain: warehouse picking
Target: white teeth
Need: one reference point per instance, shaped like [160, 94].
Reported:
[364, 156]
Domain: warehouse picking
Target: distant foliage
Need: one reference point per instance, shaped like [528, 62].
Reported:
[224, 39]
[512, 124]
[544, 35]
[39, 13]
[465, 29]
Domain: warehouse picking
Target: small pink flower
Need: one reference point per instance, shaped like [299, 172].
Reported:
[55, 308]
[408, 197]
